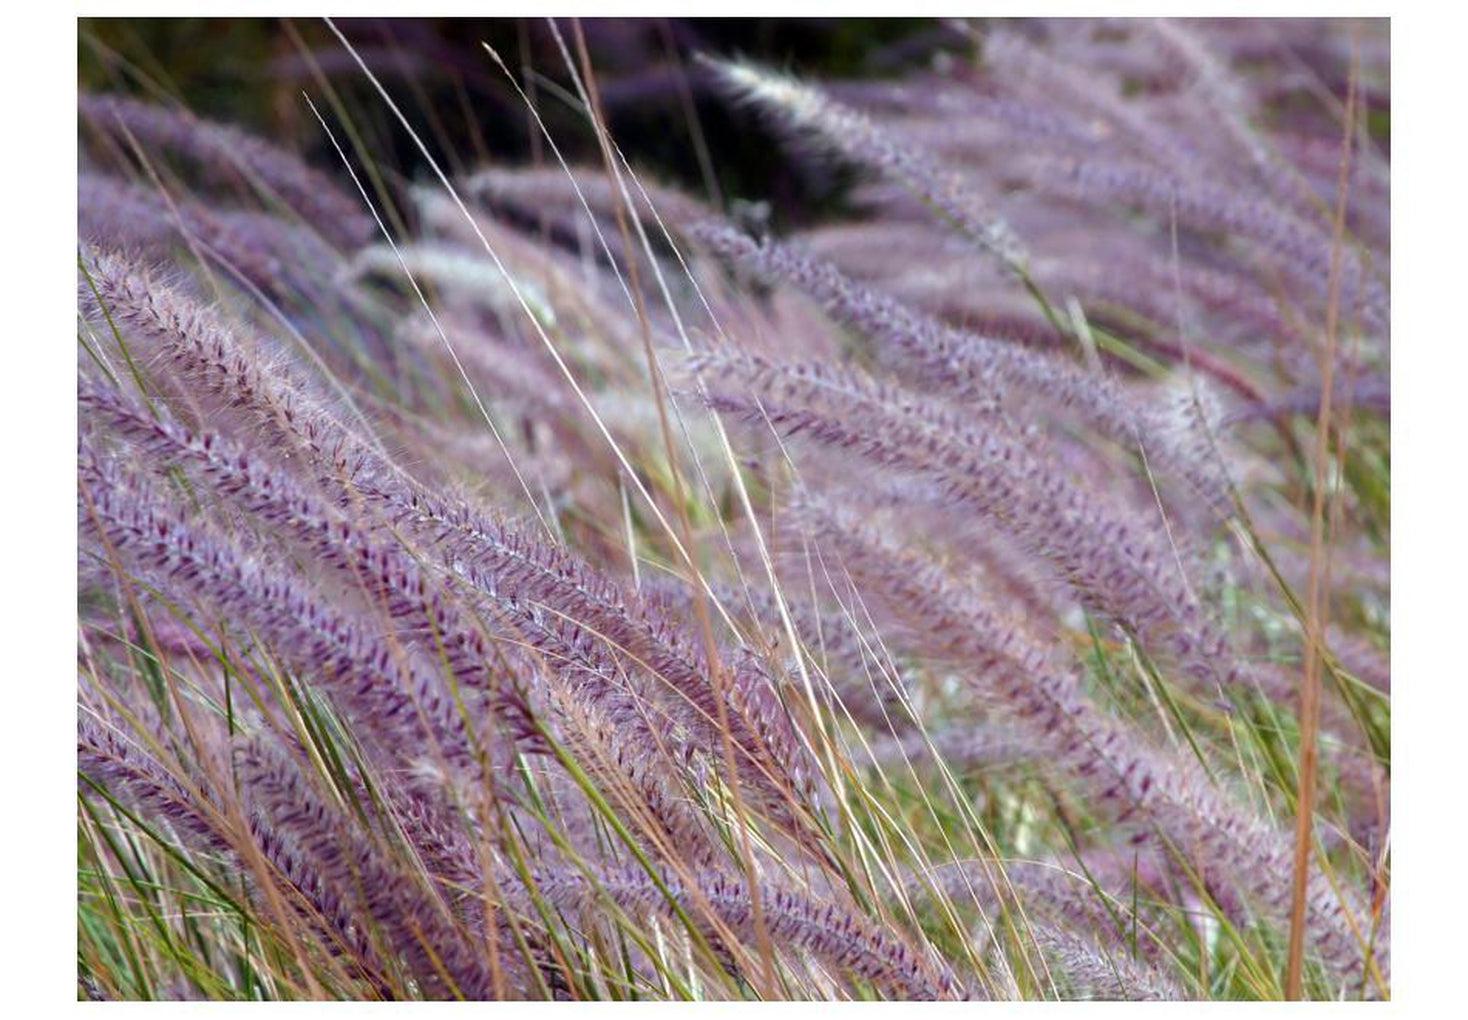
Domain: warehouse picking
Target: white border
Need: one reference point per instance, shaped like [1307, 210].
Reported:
[37, 932]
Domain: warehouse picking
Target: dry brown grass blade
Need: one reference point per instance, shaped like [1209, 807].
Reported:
[1317, 608]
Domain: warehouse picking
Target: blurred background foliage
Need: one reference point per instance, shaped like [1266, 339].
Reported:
[659, 103]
